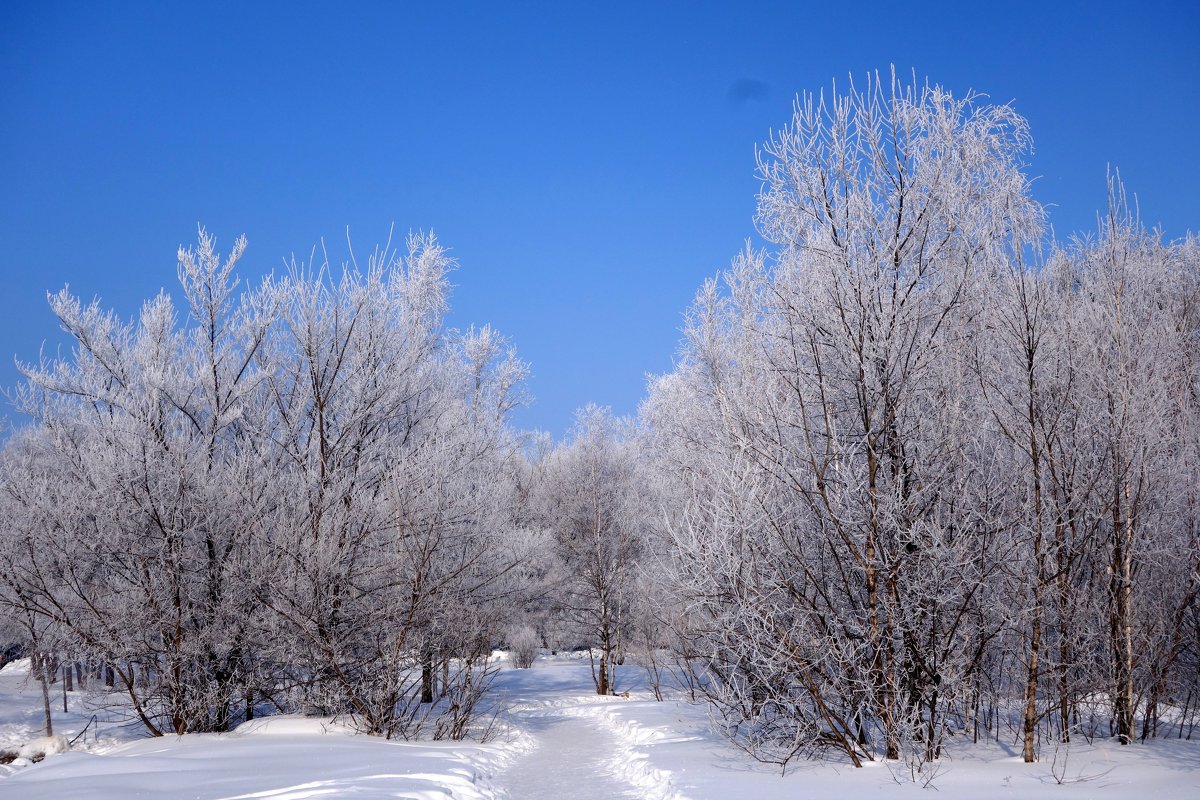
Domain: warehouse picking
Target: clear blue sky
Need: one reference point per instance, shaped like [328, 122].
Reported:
[588, 164]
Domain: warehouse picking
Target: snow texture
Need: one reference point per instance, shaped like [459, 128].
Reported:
[560, 740]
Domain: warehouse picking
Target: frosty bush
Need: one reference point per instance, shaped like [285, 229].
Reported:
[524, 644]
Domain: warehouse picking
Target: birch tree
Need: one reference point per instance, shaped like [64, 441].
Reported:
[590, 505]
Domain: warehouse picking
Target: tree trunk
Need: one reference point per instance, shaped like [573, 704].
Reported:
[41, 663]
[1064, 646]
[427, 678]
[1121, 622]
[602, 677]
[1029, 727]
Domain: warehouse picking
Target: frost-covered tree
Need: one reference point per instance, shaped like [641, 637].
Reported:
[304, 494]
[590, 501]
[922, 471]
[842, 524]
[148, 487]
[1130, 295]
[396, 523]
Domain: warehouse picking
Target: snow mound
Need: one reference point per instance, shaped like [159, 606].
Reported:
[293, 725]
[37, 749]
[262, 767]
[18, 666]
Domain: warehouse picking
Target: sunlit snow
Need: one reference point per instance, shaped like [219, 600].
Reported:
[560, 741]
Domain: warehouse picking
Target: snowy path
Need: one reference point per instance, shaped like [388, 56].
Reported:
[572, 757]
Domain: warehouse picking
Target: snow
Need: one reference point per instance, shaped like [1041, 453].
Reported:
[292, 725]
[560, 741]
[44, 746]
[21, 719]
[280, 766]
[18, 666]
[577, 748]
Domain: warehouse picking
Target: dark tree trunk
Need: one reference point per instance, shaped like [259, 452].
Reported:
[602, 677]
[427, 678]
[41, 665]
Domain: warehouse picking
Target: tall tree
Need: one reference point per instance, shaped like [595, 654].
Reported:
[590, 503]
[855, 481]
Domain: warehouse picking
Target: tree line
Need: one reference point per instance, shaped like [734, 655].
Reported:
[921, 470]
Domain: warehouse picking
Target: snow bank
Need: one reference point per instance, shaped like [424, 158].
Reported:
[37, 749]
[293, 725]
[18, 666]
[671, 754]
[263, 764]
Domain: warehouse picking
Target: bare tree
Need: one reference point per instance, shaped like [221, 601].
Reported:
[147, 489]
[399, 472]
[851, 501]
[589, 501]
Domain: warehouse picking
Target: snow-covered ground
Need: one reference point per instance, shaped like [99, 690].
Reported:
[563, 742]
[86, 728]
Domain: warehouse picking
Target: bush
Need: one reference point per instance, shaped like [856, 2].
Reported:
[523, 643]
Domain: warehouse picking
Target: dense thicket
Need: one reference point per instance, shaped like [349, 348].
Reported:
[925, 478]
[920, 471]
[300, 496]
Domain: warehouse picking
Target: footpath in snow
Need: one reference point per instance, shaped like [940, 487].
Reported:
[571, 757]
[574, 746]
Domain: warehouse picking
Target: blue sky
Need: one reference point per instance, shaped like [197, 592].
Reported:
[588, 164]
